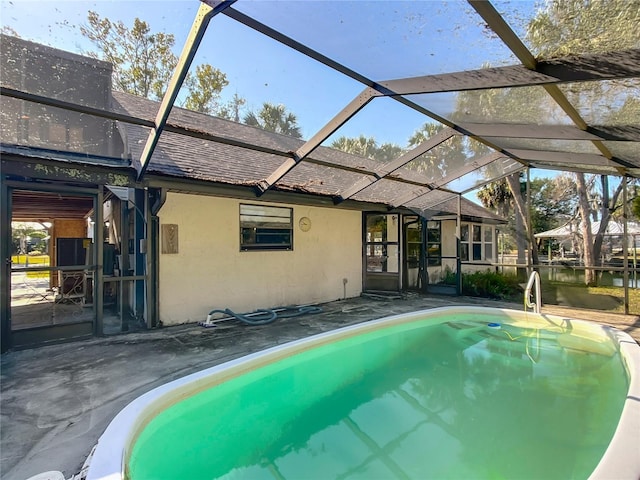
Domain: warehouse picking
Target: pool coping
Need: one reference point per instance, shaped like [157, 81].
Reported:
[621, 459]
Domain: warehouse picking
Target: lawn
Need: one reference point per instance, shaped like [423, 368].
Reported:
[606, 298]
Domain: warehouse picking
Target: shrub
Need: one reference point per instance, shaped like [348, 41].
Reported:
[491, 285]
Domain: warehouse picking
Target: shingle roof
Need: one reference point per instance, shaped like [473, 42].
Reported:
[187, 157]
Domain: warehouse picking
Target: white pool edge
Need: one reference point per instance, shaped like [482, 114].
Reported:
[620, 461]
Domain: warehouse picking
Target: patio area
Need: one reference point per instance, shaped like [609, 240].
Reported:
[57, 400]
[403, 111]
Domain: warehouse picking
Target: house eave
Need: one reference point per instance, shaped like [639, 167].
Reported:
[247, 191]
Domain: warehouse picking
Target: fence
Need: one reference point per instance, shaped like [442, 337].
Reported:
[617, 290]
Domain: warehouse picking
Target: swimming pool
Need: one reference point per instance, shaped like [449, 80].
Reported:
[451, 392]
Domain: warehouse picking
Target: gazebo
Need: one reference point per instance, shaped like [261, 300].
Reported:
[571, 231]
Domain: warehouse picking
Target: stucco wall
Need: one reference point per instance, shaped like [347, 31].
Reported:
[209, 271]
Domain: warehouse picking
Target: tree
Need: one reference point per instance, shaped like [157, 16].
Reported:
[205, 87]
[231, 109]
[143, 62]
[439, 160]
[496, 196]
[503, 105]
[566, 27]
[368, 147]
[388, 152]
[596, 204]
[274, 118]
[553, 202]
[561, 28]
[362, 145]
[25, 235]
[634, 204]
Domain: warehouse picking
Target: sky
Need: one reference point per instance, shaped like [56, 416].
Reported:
[379, 39]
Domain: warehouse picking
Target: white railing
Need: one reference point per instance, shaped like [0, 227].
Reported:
[534, 279]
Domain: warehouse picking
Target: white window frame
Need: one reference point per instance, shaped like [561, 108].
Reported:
[478, 243]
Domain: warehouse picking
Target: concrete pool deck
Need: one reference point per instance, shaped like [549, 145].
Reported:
[57, 400]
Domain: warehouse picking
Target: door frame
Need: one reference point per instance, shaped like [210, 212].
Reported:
[382, 280]
[54, 333]
[409, 260]
[5, 267]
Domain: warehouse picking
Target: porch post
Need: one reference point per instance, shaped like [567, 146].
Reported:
[154, 202]
[5, 266]
[98, 276]
[423, 273]
[139, 269]
[151, 272]
[458, 259]
[530, 237]
[625, 253]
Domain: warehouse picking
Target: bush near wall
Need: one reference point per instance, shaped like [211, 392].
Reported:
[491, 285]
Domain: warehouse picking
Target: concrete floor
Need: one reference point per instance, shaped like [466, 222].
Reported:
[57, 400]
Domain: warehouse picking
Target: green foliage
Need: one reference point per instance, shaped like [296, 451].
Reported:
[362, 145]
[447, 156]
[635, 206]
[451, 155]
[450, 277]
[25, 238]
[489, 284]
[143, 62]
[388, 152]
[274, 118]
[231, 109]
[368, 147]
[501, 105]
[563, 28]
[553, 201]
[205, 87]
[496, 196]
[569, 27]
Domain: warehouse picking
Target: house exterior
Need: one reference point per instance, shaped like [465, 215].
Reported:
[194, 235]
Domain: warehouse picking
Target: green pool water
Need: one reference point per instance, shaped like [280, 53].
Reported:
[453, 400]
